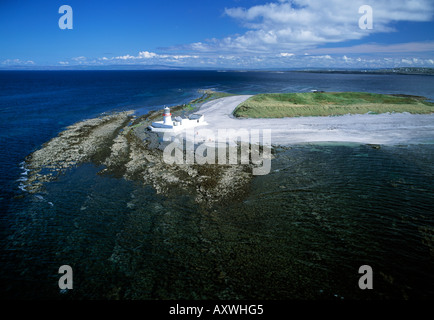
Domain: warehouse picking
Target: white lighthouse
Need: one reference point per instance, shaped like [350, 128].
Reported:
[167, 117]
[179, 123]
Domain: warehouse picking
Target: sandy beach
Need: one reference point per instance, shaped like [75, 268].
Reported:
[387, 129]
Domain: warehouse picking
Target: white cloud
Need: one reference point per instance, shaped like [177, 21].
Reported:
[410, 47]
[126, 57]
[304, 24]
[17, 62]
[327, 57]
[286, 54]
[81, 58]
[147, 55]
[346, 59]
[299, 33]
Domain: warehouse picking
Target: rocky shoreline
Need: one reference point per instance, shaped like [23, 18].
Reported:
[121, 143]
[85, 141]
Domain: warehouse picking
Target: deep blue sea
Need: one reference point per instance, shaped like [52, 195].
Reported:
[301, 233]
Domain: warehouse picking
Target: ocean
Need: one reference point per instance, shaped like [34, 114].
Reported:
[302, 231]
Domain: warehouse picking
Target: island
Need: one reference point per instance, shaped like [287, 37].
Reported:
[124, 146]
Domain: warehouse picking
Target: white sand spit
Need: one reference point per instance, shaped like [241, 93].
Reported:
[388, 129]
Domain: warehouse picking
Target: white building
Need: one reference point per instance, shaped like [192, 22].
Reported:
[179, 123]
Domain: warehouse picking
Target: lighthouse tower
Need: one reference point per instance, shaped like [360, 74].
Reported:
[167, 117]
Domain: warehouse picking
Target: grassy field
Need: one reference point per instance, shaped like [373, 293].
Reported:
[208, 95]
[279, 105]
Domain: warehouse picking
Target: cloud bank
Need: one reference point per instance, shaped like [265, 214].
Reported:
[304, 24]
[295, 34]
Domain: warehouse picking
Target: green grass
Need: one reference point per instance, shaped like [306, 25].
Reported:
[208, 95]
[278, 105]
[189, 107]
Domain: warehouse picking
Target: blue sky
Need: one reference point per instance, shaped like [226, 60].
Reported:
[218, 34]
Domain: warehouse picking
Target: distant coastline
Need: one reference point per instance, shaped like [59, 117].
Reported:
[401, 70]
[135, 67]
